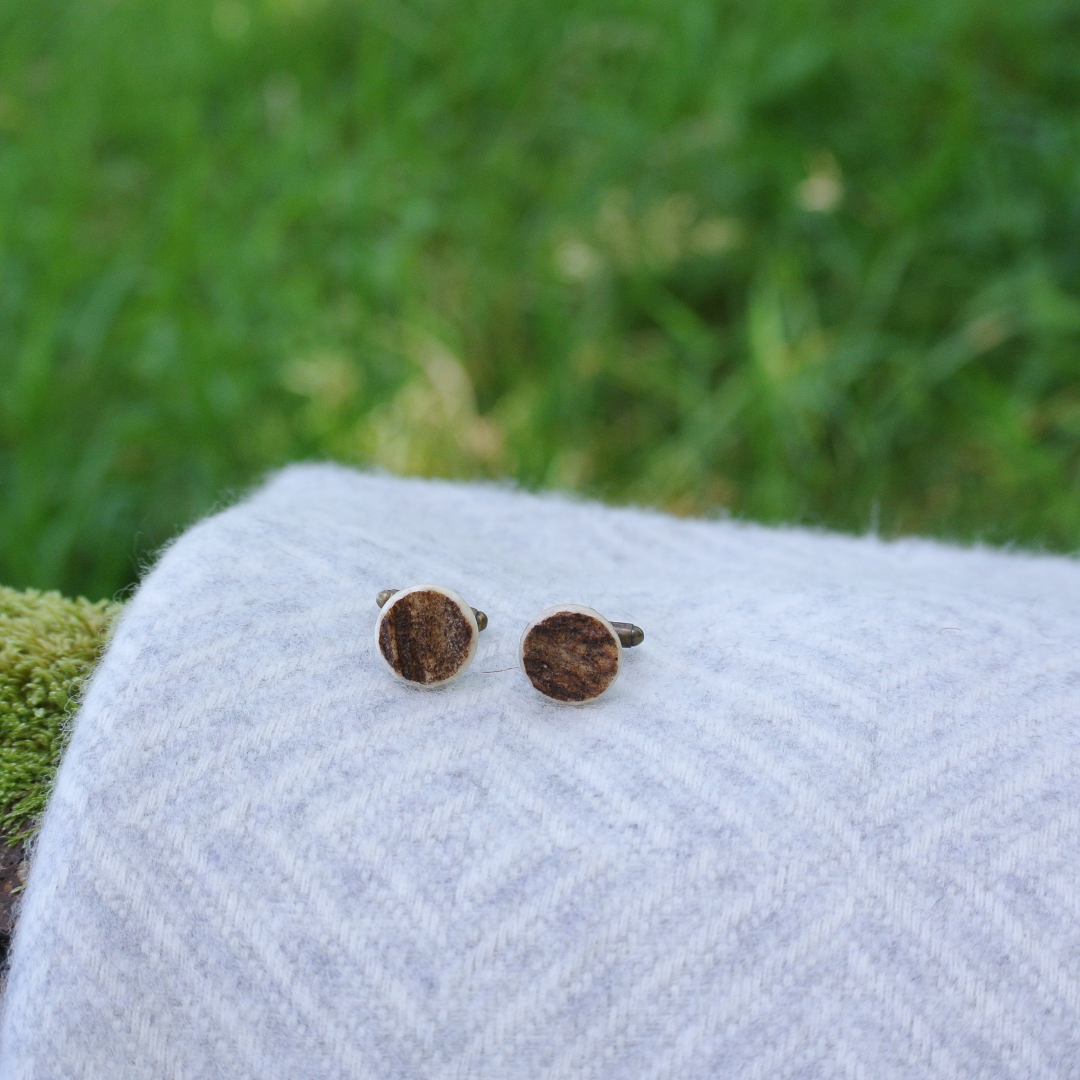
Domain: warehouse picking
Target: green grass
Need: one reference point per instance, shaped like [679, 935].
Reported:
[48, 646]
[793, 259]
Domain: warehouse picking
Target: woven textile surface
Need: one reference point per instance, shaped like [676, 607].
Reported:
[826, 824]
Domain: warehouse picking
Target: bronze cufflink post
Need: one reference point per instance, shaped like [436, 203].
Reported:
[629, 634]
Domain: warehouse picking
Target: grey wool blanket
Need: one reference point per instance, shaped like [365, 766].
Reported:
[825, 824]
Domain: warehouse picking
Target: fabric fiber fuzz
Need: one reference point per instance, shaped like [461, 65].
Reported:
[825, 824]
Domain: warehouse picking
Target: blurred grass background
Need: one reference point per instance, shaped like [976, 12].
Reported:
[793, 260]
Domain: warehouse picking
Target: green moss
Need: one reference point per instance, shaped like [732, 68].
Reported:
[48, 646]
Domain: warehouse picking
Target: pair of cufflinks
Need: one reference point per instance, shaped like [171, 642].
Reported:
[427, 635]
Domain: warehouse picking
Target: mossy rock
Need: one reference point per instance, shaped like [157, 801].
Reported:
[48, 646]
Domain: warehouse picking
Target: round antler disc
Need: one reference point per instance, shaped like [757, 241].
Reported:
[571, 654]
[427, 634]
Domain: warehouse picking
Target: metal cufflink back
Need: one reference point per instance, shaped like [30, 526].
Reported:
[573, 654]
[427, 634]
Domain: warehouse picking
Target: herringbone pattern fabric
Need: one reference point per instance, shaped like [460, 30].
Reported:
[827, 824]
